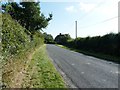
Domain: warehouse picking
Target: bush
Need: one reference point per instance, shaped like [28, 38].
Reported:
[107, 44]
[62, 38]
[15, 39]
[48, 38]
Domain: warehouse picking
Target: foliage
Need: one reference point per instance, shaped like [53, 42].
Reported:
[41, 72]
[62, 38]
[28, 14]
[48, 38]
[108, 44]
[14, 38]
[17, 46]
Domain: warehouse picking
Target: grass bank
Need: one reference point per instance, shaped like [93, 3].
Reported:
[97, 55]
[24, 64]
[32, 70]
[13, 70]
[41, 72]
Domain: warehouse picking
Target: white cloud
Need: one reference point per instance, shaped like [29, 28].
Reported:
[87, 7]
[71, 9]
[108, 9]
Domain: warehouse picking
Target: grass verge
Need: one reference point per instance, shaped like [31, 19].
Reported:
[41, 72]
[97, 55]
[34, 69]
[13, 69]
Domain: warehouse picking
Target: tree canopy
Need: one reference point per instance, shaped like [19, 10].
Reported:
[28, 14]
[62, 38]
[48, 38]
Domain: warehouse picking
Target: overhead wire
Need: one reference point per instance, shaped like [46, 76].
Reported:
[98, 5]
[103, 21]
[106, 20]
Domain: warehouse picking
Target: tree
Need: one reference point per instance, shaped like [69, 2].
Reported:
[28, 14]
[62, 38]
[48, 38]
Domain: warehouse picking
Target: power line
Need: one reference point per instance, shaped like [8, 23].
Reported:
[98, 5]
[76, 29]
[106, 20]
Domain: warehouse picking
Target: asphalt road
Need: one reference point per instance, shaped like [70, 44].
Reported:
[85, 71]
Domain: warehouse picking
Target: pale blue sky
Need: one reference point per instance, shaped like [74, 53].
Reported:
[86, 12]
[90, 15]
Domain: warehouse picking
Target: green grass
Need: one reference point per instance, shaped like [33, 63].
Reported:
[24, 64]
[13, 67]
[34, 69]
[41, 72]
[97, 55]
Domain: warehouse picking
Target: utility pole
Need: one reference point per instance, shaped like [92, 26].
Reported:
[118, 16]
[76, 29]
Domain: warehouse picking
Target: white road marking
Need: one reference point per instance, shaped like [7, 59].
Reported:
[88, 63]
[82, 72]
[73, 64]
[116, 72]
[111, 71]
[104, 80]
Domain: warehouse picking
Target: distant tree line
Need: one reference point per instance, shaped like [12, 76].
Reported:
[108, 44]
[62, 39]
[48, 38]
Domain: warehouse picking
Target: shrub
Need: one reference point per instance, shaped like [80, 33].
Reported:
[15, 39]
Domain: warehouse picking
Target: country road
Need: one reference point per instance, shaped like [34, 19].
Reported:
[84, 71]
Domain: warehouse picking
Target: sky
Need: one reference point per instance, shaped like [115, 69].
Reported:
[94, 17]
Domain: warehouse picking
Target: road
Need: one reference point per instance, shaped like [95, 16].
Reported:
[84, 71]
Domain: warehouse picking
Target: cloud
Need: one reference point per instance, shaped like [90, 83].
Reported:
[86, 7]
[71, 9]
[108, 9]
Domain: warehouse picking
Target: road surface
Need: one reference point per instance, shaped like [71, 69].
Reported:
[85, 71]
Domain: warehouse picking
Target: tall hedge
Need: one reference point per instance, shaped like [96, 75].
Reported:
[108, 44]
[15, 39]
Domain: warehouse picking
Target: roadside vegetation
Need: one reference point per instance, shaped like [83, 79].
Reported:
[105, 47]
[41, 72]
[25, 63]
[24, 60]
[16, 46]
[48, 38]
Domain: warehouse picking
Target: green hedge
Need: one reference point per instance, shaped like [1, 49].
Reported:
[107, 46]
[15, 39]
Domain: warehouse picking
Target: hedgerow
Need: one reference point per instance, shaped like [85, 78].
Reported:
[15, 39]
[106, 47]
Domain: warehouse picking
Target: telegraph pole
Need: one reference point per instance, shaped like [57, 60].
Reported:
[76, 29]
[118, 16]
